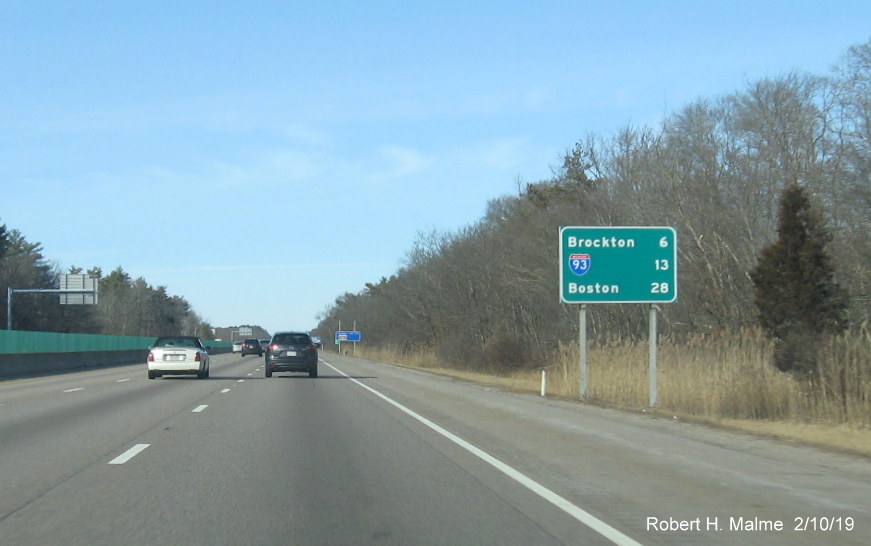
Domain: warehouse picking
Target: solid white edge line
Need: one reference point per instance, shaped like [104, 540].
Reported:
[199, 408]
[129, 454]
[576, 512]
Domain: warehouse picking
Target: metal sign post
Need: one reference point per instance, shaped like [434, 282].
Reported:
[582, 348]
[619, 264]
[652, 355]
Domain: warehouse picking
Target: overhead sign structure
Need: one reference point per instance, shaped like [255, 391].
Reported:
[78, 289]
[618, 264]
[75, 289]
[348, 335]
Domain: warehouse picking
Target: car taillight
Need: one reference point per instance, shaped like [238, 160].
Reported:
[150, 357]
[197, 358]
[311, 347]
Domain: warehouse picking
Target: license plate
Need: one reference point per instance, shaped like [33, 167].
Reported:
[290, 353]
[174, 357]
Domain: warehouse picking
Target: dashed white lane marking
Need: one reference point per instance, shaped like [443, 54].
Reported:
[122, 380]
[576, 512]
[129, 454]
[75, 390]
[240, 381]
[200, 408]
[225, 391]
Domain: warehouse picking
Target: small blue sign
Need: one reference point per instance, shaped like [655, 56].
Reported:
[579, 263]
[349, 335]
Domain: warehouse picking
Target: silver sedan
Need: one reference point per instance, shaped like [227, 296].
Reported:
[178, 355]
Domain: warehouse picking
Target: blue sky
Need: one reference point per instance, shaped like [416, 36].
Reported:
[262, 158]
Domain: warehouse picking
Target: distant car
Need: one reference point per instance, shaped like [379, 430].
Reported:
[291, 352]
[252, 347]
[178, 355]
[237, 346]
[317, 341]
[264, 343]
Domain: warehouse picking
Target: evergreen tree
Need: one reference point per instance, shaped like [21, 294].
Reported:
[4, 241]
[798, 299]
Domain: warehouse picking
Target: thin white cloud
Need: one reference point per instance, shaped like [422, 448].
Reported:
[291, 165]
[506, 153]
[401, 162]
[507, 102]
[306, 135]
[217, 268]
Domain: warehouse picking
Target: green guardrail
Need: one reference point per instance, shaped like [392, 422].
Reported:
[21, 342]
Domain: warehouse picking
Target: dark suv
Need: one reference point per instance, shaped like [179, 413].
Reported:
[291, 352]
[252, 347]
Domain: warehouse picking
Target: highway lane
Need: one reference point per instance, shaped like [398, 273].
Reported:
[374, 454]
[52, 427]
[289, 460]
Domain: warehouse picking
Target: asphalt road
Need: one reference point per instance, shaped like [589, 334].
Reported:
[373, 454]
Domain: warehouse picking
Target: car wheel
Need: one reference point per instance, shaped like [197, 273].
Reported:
[268, 373]
[313, 372]
[152, 374]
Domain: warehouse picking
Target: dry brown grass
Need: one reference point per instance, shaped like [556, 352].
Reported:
[725, 380]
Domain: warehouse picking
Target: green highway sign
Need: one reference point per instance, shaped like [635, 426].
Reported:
[618, 264]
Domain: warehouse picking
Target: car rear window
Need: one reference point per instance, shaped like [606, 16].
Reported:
[292, 339]
[175, 342]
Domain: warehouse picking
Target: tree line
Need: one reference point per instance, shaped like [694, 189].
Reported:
[717, 170]
[127, 306]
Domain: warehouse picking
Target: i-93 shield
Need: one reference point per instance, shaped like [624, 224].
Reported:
[579, 263]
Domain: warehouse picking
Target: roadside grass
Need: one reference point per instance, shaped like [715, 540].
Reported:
[726, 380]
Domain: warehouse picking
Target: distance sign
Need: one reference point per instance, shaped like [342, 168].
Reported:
[618, 264]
